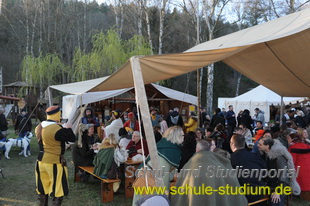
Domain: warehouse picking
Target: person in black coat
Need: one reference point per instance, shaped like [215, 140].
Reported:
[188, 149]
[83, 152]
[3, 122]
[23, 124]
[217, 118]
[246, 119]
[174, 118]
[249, 161]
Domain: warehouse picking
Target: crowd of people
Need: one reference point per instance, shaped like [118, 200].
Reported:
[226, 140]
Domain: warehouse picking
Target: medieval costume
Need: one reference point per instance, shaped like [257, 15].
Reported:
[104, 159]
[51, 170]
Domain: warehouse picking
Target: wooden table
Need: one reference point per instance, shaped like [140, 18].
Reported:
[129, 191]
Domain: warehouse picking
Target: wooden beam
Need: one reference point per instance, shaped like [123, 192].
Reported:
[154, 95]
[156, 99]
[142, 104]
[9, 98]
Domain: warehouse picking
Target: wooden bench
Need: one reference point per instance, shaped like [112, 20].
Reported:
[107, 193]
[129, 191]
[259, 201]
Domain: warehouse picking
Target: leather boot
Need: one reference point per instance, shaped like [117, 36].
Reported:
[57, 201]
[43, 200]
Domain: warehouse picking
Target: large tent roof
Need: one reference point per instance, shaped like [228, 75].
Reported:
[79, 87]
[72, 102]
[274, 54]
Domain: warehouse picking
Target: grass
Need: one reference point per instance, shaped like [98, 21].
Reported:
[17, 188]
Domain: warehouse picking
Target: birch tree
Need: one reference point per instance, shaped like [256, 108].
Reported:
[212, 11]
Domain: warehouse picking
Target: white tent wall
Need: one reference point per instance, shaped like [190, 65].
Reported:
[72, 102]
[259, 97]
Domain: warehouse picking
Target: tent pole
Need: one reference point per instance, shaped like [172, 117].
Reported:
[281, 110]
[141, 101]
[50, 98]
[198, 97]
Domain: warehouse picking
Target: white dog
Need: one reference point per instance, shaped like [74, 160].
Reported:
[19, 142]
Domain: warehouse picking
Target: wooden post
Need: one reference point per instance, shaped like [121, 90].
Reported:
[50, 98]
[198, 97]
[141, 101]
[281, 110]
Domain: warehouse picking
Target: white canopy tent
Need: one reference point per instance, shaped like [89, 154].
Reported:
[72, 102]
[259, 97]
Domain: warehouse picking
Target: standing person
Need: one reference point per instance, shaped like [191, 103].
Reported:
[114, 127]
[192, 123]
[217, 118]
[174, 118]
[23, 123]
[131, 124]
[51, 170]
[3, 127]
[154, 117]
[3, 122]
[300, 151]
[299, 120]
[231, 120]
[259, 116]
[246, 120]
[203, 117]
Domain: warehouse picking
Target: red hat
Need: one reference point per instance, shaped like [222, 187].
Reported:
[130, 115]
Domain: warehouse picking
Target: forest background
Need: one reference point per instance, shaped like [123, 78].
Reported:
[47, 42]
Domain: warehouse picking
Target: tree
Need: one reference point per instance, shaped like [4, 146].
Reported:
[212, 11]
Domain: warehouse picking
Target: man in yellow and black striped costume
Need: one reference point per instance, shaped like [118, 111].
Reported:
[51, 170]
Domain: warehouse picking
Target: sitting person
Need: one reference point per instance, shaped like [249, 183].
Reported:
[135, 146]
[247, 135]
[188, 149]
[83, 151]
[203, 145]
[104, 160]
[222, 153]
[157, 133]
[199, 134]
[89, 117]
[125, 138]
[219, 136]
[169, 154]
[212, 144]
[247, 160]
